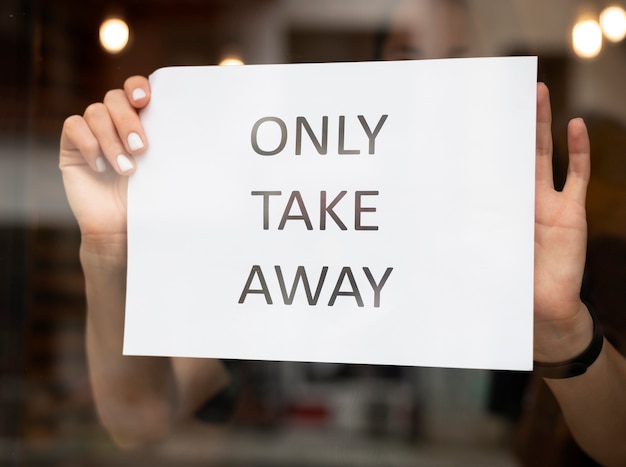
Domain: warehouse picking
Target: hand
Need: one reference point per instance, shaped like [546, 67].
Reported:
[562, 323]
[96, 157]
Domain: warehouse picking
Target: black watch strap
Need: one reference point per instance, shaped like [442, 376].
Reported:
[579, 364]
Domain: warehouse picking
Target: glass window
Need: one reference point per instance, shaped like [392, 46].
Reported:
[60, 56]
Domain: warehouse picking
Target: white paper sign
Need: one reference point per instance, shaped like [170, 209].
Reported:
[360, 212]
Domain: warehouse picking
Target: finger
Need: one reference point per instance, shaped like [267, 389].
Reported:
[101, 125]
[543, 168]
[126, 121]
[579, 167]
[77, 139]
[137, 89]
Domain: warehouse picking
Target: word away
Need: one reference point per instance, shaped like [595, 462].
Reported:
[313, 297]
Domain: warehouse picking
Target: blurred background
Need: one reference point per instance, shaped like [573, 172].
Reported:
[58, 56]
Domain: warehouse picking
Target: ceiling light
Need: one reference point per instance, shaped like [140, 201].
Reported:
[587, 38]
[114, 34]
[613, 22]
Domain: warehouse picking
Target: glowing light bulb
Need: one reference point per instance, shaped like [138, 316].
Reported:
[613, 22]
[114, 34]
[230, 61]
[587, 38]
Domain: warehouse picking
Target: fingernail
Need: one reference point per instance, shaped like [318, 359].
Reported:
[138, 94]
[101, 166]
[124, 163]
[134, 141]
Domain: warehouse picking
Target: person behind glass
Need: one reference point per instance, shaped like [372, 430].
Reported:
[140, 399]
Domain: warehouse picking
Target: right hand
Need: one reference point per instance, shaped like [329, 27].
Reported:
[563, 326]
[96, 156]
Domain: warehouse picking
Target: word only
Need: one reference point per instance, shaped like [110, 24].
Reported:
[320, 142]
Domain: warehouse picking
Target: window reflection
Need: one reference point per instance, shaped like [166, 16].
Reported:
[423, 30]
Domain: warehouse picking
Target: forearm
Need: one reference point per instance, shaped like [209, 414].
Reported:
[594, 406]
[134, 396]
[594, 403]
[138, 398]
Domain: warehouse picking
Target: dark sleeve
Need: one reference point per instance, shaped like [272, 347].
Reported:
[220, 407]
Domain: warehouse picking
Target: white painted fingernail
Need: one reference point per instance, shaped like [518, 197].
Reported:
[101, 166]
[124, 163]
[138, 94]
[134, 141]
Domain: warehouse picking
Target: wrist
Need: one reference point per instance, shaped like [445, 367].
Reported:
[580, 363]
[108, 252]
[103, 259]
[561, 339]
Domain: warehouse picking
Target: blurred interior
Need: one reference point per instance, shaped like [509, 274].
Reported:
[297, 414]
